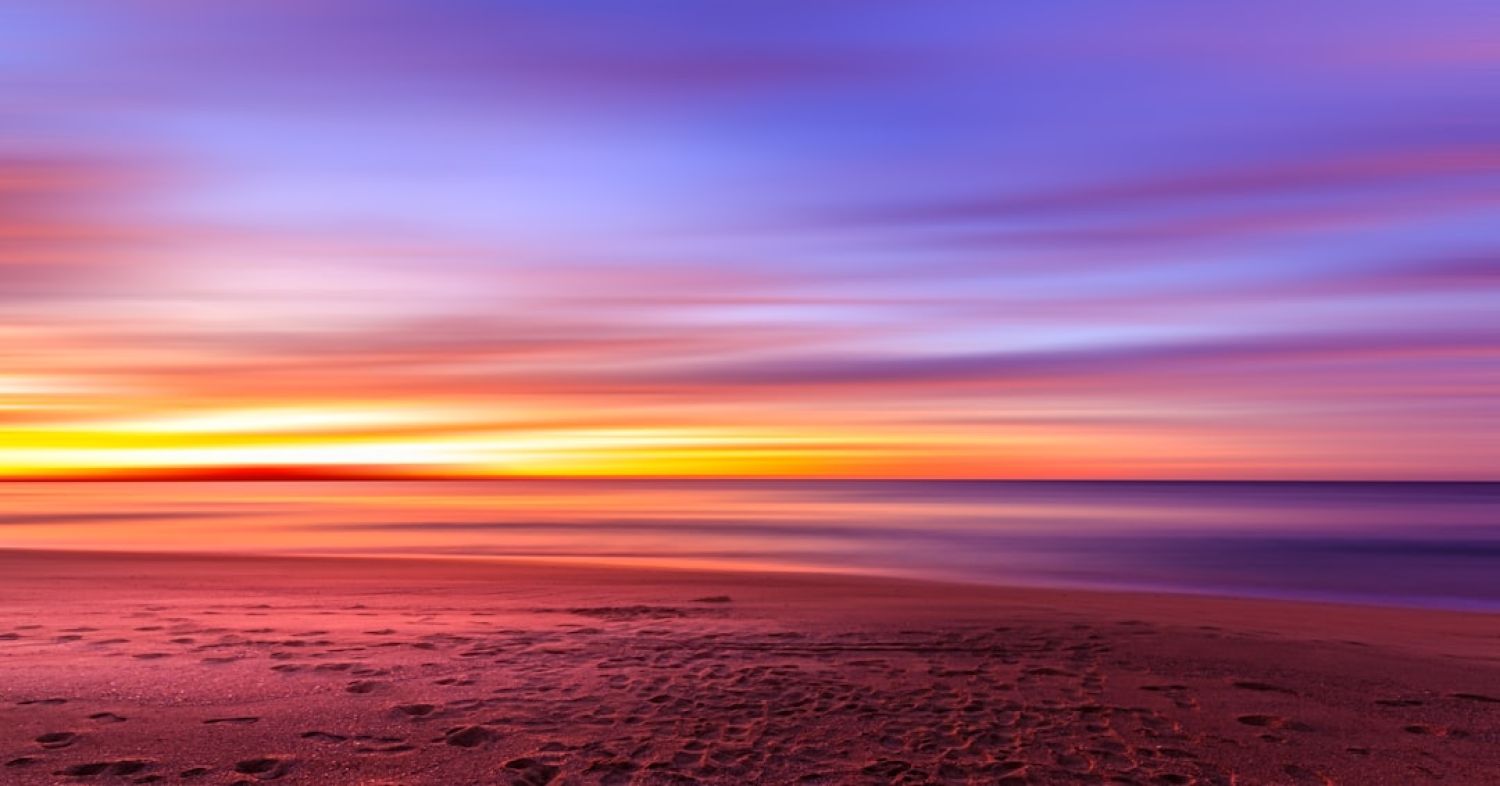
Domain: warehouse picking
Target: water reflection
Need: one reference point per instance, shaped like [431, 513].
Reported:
[1419, 544]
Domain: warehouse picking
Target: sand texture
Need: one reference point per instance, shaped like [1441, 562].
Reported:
[227, 670]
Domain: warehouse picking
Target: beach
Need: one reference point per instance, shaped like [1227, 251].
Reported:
[455, 393]
[224, 669]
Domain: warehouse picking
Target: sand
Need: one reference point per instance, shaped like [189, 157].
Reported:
[242, 670]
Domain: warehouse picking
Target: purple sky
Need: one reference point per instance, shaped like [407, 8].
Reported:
[983, 239]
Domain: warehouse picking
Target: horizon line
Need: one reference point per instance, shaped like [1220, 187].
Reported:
[259, 477]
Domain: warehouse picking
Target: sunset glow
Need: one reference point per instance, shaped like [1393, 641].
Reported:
[727, 393]
[473, 239]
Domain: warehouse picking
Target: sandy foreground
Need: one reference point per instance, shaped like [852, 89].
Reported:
[242, 670]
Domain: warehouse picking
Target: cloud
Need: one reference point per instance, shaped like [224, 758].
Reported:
[1129, 361]
[996, 238]
[1236, 199]
[57, 231]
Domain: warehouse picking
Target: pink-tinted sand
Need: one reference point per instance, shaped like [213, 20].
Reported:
[216, 670]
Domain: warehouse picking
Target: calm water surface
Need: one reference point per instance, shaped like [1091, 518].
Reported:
[1417, 544]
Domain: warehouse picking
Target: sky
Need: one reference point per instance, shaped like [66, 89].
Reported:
[876, 239]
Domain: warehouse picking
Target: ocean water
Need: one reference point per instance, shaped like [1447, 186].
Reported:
[1413, 544]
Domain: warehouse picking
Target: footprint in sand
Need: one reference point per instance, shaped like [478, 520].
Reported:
[468, 736]
[118, 768]
[886, 768]
[363, 686]
[1262, 687]
[323, 736]
[1302, 775]
[264, 768]
[57, 739]
[615, 772]
[415, 710]
[1273, 722]
[387, 747]
[107, 717]
[243, 720]
[530, 772]
[1434, 731]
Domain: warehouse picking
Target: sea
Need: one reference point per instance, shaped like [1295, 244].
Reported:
[1430, 545]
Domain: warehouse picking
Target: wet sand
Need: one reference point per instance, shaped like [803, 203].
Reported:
[246, 670]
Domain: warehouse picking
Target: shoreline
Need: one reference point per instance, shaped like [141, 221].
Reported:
[1187, 603]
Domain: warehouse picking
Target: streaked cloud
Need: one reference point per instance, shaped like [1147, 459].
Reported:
[753, 239]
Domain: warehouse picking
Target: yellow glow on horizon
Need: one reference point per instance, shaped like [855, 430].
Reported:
[529, 438]
[657, 451]
[311, 438]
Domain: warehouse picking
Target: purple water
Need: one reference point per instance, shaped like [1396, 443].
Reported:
[1419, 544]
